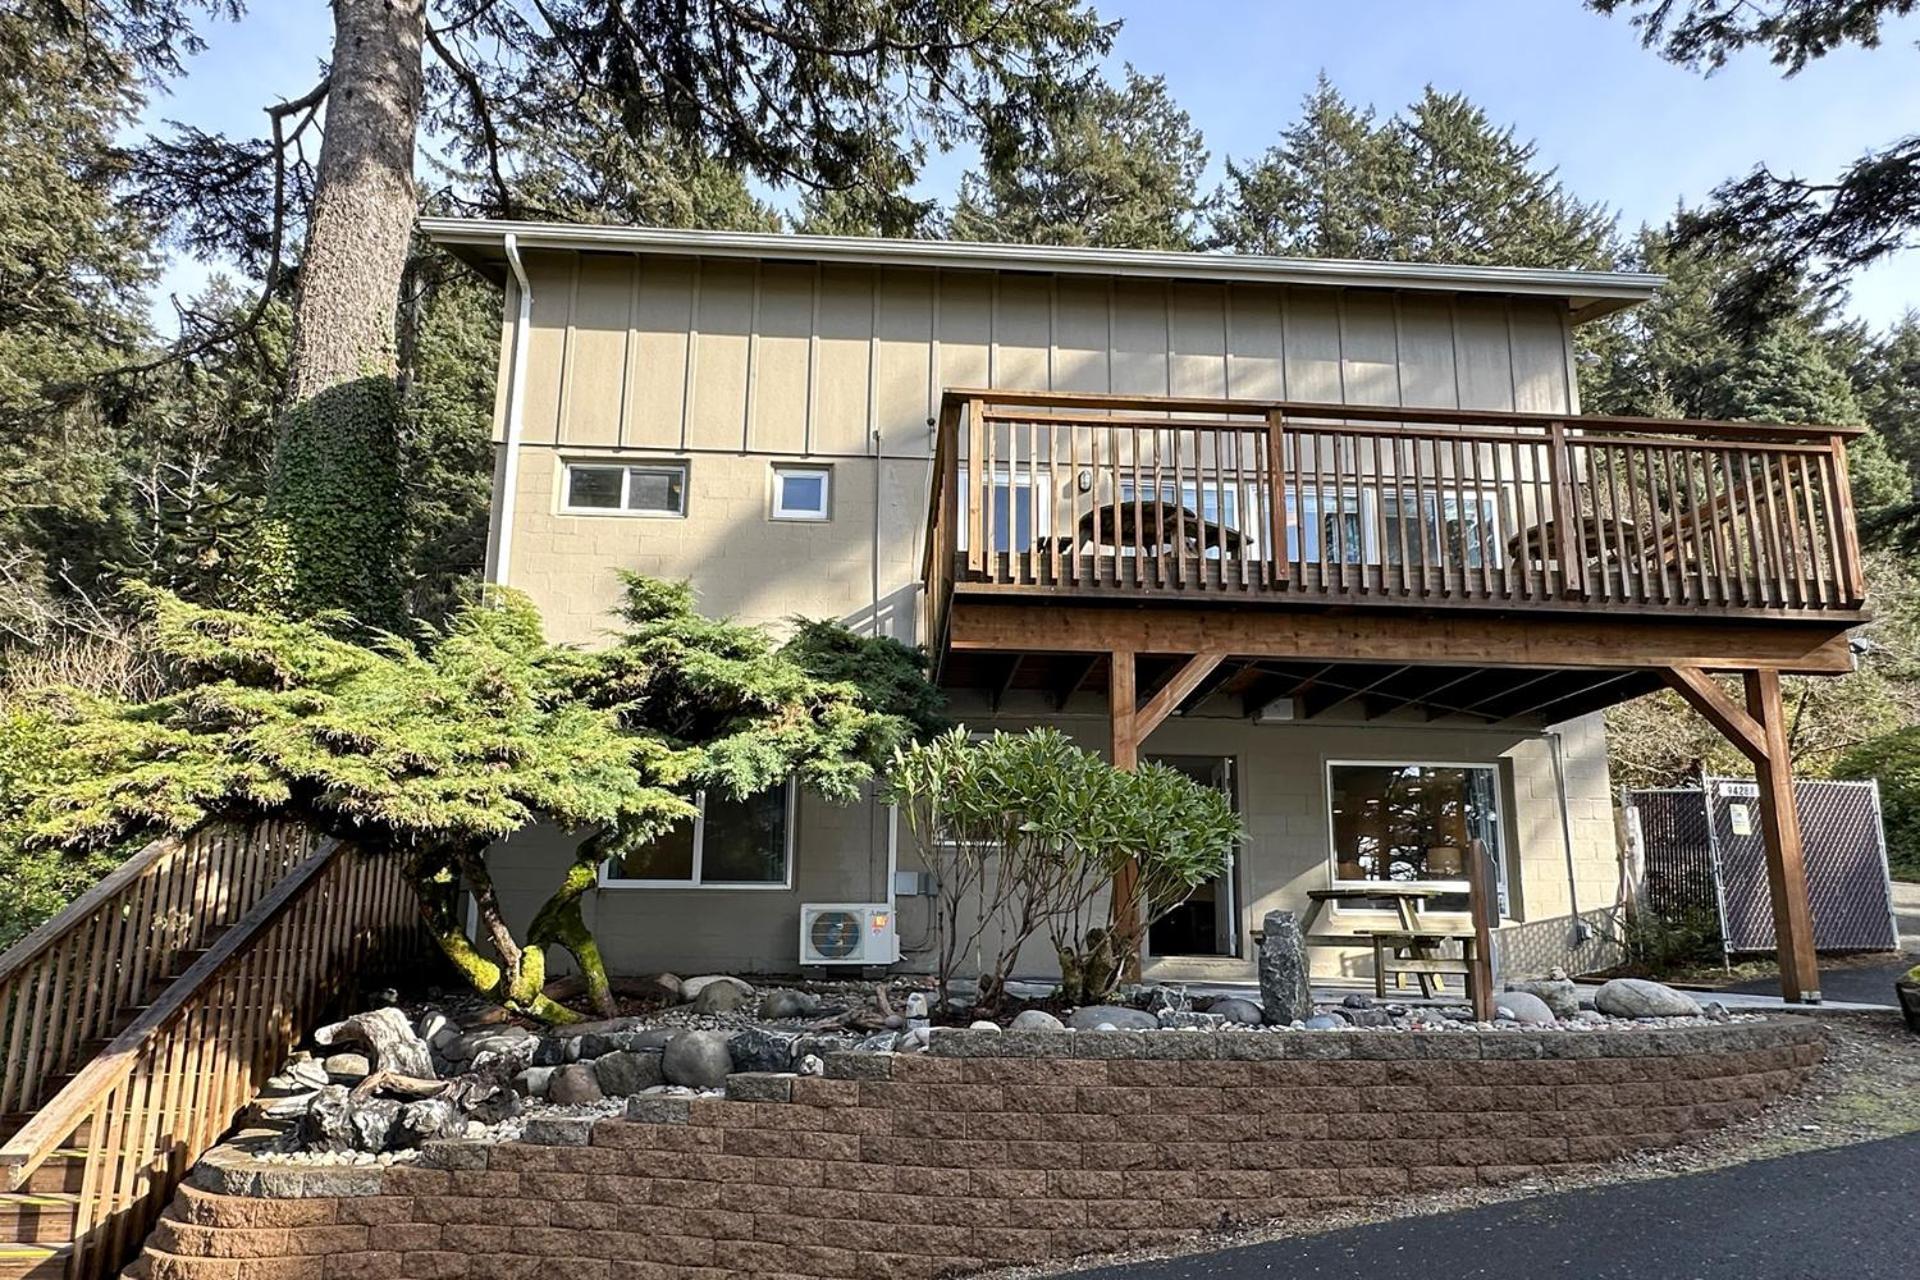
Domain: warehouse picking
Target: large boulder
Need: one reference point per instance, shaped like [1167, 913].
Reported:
[624, 1071]
[698, 1059]
[338, 1121]
[1560, 994]
[1094, 1016]
[1284, 991]
[1525, 1007]
[1640, 998]
[1035, 1020]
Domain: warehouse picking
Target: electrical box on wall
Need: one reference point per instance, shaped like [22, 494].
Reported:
[913, 884]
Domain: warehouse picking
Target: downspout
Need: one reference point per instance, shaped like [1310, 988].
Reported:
[516, 404]
[1581, 929]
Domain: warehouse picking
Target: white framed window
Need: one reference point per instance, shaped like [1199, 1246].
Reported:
[629, 489]
[1412, 822]
[802, 493]
[727, 844]
[1367, 525]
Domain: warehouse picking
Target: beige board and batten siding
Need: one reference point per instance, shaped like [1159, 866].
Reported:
[733, 364]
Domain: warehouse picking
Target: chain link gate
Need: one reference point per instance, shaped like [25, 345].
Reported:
[1713, 856]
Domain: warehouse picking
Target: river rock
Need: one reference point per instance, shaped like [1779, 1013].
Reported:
[1640, 998]
[1035, 1020]
[1324, 1022]
[347, 1067]
[697, 1059]
[1524, 1007]
[783, 1002]
[534, 1081]
[1095, 1016]
[719, 997]
[624, 1071]
[1560, 995]
[1284, 992]
[1238, 1011]
[983, 1024]
[390, 1040]
[690, 988]
[574, 1085]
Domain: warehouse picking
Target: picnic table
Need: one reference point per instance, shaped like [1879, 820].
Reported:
[1150, 528]
[1422, 944]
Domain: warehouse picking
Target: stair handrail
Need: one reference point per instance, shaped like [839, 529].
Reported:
[27, 1149]
[167, 1087]
[63, 986]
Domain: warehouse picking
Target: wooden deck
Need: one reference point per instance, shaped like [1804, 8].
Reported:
[1061, 498]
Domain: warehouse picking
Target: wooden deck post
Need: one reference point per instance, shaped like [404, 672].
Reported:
[1760, 731]
[1786, 864]
[1123, 913]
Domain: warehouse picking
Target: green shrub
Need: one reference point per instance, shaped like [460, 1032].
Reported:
[1893, 761]
[1023, 830]
[1688, 939]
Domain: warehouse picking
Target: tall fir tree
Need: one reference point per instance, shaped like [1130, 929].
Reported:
[1116, 167]
[1439, 182]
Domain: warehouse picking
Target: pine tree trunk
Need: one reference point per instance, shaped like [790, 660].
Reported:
[364, 199]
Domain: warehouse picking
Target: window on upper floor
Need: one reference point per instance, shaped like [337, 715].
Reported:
[640, 489]
[802, 492]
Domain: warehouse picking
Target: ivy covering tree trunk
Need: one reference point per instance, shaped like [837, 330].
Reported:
[335, 501]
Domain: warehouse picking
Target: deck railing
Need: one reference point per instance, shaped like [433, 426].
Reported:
[167, 1086]
[1061, 493]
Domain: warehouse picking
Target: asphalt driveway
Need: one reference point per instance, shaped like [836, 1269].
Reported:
[1851, 1213]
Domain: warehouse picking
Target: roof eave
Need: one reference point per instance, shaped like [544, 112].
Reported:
[1588, 294]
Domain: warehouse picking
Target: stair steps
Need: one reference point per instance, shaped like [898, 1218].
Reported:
[38, 1218]
[34, 1262]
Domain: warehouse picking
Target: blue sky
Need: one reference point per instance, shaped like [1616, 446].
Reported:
[1621, 126]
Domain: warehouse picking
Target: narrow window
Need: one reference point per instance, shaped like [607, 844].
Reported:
[802, 493]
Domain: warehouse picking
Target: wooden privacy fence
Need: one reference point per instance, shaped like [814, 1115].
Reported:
[64, 985]
[169, 1084]
[1063, 493]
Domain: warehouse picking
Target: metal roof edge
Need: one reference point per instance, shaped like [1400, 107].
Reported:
[1588, 293]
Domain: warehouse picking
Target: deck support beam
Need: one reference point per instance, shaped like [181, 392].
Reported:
[1759, 730]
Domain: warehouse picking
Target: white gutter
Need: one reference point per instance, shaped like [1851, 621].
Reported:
[516, 415]
[1586, 292]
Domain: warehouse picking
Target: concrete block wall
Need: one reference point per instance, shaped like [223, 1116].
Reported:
[997, 1148]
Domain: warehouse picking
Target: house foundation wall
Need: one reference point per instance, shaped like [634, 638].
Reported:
[995, 1149]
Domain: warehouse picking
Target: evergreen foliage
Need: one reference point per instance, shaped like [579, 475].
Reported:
[1894, 762]
[1113, 166]
[430, 755]
[1437, 183]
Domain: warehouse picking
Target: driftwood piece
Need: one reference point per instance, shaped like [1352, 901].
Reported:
[409, 1086]
[391, 1043]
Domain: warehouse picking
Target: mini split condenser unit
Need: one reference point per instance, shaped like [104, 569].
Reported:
[857, 933]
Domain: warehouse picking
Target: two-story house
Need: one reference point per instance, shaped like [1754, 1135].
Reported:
[1331, 535]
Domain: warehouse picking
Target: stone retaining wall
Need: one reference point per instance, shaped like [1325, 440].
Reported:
[994, 1148]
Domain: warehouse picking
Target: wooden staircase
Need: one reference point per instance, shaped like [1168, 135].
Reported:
[139, 1023]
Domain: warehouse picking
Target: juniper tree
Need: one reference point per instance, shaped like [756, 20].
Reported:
[428, 755]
